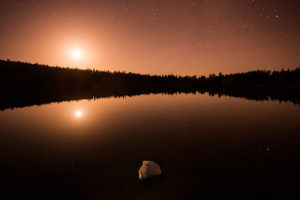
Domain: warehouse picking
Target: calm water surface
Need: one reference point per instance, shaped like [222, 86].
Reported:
[92, 149]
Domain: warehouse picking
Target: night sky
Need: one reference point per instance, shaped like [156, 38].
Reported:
[153, 36]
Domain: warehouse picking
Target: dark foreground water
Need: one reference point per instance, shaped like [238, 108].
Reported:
[208, 147]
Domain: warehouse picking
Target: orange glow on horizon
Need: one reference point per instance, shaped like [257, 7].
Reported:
[182, 37]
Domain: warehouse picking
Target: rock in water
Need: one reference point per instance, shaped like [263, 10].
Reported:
[148, 169]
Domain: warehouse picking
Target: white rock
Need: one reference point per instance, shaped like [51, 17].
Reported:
[148, 169]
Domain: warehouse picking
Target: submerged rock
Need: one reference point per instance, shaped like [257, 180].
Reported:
[149, 169]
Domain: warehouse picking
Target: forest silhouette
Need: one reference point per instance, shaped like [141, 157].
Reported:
[25, 84]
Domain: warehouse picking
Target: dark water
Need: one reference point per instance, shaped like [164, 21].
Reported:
[207, 147]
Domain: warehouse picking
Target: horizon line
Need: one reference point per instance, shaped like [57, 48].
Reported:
[148, 74]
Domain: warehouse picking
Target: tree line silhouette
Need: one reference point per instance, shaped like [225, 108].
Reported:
[25, 84]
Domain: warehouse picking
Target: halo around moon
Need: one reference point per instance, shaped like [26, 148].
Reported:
[76, 54]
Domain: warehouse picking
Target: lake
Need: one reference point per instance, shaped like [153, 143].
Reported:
[205, 145]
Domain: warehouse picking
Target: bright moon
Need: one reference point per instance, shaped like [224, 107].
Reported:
[76, 54]
[78, 114]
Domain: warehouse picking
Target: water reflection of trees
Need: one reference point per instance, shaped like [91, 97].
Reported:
[24, 84]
